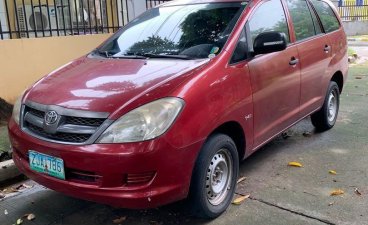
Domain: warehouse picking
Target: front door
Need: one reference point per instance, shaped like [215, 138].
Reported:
[275, 77]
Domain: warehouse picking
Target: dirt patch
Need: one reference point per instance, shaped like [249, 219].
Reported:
[5, 110]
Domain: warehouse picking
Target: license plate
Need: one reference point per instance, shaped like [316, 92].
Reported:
[46, 164]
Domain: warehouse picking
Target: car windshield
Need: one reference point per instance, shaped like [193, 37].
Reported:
[179, 31]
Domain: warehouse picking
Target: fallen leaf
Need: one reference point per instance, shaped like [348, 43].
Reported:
[119, 220]
[19, 221]
[307, 134]
[27, 186]
[337, 192]
[333, 172]
[356, 190]
[31, 216]
[9, 190]
[22, 186]
[19, 187]
[241, 179]
[239, 200]
[295, 164]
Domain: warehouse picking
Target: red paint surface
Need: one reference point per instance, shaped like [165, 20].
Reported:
[275, 94]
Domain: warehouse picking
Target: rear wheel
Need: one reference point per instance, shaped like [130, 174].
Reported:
[325, 118]
[214, 176]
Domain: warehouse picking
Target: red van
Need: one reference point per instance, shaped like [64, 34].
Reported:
[169, 105]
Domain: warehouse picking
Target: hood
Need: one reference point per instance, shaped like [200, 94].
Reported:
[106, 85]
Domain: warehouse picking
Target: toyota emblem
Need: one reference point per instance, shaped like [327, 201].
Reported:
[51, 117]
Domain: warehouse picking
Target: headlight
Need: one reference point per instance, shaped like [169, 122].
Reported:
[16, 109]
[144, 123]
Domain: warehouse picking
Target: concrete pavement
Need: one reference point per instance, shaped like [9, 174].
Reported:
[279, 194]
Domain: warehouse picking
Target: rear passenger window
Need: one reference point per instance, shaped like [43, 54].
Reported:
[270, 16]
[317, 26]
[326, 14]
[302, 19]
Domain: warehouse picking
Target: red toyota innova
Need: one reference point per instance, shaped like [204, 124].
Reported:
[167, 107]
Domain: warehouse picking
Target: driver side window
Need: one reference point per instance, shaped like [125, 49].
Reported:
[270, 16]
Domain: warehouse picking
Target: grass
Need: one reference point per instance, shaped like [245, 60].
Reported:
[4, 140]
[351, 52]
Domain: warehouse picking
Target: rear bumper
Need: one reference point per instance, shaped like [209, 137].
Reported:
[107, 167]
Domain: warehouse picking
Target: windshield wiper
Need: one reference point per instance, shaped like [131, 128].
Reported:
[107, 54]
[129, 57]
[151, 55]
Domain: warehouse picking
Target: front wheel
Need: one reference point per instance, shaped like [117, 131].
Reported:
[325, 118]
[214, 176]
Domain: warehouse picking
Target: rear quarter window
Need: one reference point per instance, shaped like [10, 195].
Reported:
[326, 14]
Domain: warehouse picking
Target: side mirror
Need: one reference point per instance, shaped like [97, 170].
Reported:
[269, 42]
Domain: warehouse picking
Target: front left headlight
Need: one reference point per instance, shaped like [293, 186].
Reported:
[143, 123]
[16, 109]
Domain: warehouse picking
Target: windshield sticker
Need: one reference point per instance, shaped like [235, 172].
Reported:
[214, 50]
[211, 56]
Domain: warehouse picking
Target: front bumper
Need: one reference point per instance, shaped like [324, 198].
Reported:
[100, 172]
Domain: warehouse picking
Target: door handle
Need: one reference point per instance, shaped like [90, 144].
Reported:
[327, 48]
[293, 61]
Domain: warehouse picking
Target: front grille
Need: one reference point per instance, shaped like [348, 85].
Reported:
[65, 137]
[95, 122]
[67, 129]
[35, 112]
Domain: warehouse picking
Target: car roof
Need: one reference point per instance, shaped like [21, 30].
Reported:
[188, 2]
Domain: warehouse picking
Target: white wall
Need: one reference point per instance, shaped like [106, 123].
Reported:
[355, 27]
[135, 8]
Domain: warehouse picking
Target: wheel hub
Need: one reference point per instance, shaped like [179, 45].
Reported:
[218, 177]
[332, 107]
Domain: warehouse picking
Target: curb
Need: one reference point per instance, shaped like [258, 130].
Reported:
[360, 39]
[8, 170]
[357, 43]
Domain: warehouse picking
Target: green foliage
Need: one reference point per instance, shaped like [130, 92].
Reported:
[205, 26]
[154, 45]
[327, 16]
[351, 51]
[302, 20]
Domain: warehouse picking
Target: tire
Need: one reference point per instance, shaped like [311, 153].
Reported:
[325, 118]
[218, 157]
